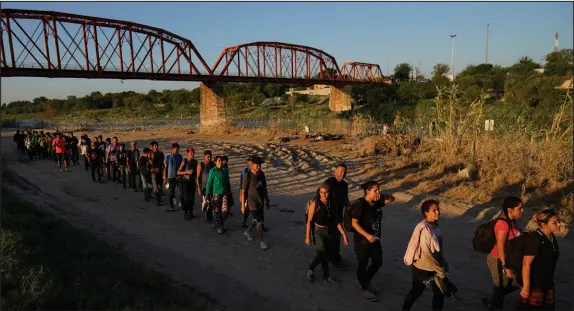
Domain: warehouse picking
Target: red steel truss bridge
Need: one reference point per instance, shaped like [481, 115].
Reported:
[61, 45]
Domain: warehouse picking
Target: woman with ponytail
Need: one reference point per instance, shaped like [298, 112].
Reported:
[322, 217]
[367, 216]
[504, 230]
[541, 253]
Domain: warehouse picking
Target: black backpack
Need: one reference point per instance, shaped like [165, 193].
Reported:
[484, 239]
[316, 200]
[347, 216]
[514, 250]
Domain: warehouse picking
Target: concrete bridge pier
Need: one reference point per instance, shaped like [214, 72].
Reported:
[212, 106]
[340, 99]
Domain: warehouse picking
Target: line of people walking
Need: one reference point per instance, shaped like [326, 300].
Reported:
[150, 171]
[517, 260]
[527, 264]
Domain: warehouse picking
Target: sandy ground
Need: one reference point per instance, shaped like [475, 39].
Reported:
[236, 272]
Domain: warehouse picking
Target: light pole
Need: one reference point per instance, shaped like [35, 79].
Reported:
[487, 27]
[452, 55]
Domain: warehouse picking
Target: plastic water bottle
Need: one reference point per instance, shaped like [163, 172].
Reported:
[429, 281]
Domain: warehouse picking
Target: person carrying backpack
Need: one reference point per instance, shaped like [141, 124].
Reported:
[133, 167]
[245, 174]
[144, 164]
[505, 230]
[245, 171]
[322, 217]
[339, 199]
[540, 254]
[425, 255]
[188, 171]
[367, 216]
[254, 196]
[216, 191]
[203, 169]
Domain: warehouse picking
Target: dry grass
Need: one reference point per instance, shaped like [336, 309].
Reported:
[536, 165]
[530, 162]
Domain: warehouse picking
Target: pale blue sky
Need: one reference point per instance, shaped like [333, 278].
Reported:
[410, 32]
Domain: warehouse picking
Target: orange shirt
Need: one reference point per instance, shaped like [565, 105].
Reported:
[502, 225]
[59, 144]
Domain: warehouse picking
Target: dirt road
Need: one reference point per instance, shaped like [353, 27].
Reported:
[236, 272]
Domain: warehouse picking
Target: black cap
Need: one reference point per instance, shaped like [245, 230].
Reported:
[256, 160]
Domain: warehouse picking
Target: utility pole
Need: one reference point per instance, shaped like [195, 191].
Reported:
[487, 27]
[452, 55]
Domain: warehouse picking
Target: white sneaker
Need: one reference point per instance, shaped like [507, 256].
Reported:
[248, 236]
[262, 245]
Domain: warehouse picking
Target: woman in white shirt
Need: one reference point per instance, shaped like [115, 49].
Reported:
[425, 255]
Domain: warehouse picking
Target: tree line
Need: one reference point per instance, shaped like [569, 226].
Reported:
[519, 83]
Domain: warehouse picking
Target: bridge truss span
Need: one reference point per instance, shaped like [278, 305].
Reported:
[363, 72]
[277, 61]
[54, 44]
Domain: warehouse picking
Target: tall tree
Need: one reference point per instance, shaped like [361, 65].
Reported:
[440, 70]
[524, 66]
[559, 63]
[402, 72]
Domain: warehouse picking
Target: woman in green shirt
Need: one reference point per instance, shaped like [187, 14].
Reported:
[217, 191]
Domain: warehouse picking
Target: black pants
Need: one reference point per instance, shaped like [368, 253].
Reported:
[86, 163]
[21, 148]
[188, 199]
[322, 246]
[367, 251]
[107, 167]
[124, 175]
[246, 216]
[335, 253]
[418, 277]
[502, 284]
[156, 180]
[134, 176]
[67, 158]
[172, 182]
[96, 170]
[75, 156]
[30, 154]
[115, 171]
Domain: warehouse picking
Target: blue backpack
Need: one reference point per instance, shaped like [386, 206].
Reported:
[245, 171]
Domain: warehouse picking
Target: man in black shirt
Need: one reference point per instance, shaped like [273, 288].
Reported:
[339, 199]
[95, 162]
[133, 167]
[144, 166]
[156, 170]
[72, 142]
[123, 164]
[254, 194]
[19, 140]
